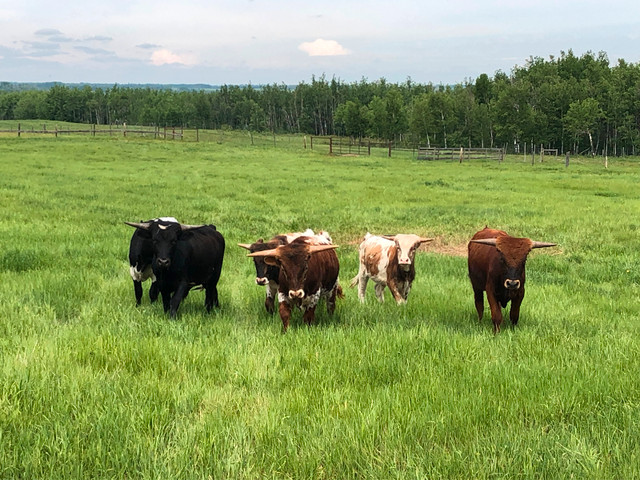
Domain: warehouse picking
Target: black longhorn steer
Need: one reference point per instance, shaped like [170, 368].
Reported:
[185, 256]
[140, 259]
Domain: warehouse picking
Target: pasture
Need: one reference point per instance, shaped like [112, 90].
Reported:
[93, 387]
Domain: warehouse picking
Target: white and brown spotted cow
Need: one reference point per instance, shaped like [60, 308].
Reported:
[388, 261]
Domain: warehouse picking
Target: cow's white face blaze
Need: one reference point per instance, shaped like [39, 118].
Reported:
[406, 246]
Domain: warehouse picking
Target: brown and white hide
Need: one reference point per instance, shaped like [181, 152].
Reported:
[389, 262]
[308, 273]
[267, 275]
[496, 264]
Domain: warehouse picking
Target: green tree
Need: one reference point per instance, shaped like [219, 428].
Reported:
[582, 118]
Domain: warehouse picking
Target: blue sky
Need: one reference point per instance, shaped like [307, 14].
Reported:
[284, 41]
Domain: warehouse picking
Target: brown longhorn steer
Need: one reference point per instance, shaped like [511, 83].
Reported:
[388, 261]
[496, 265]
[267, 275]
[307, 273]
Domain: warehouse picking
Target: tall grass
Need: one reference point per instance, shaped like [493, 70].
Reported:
[93, 387]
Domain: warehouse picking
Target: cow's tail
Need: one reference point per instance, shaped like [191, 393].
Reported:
[354, 281]
[339, 292]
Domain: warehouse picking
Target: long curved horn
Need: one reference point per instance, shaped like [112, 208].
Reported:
[142, 225]
[189, 227]
[246, 246]
[265, 253]
[425, 240]
[542, 244]
[485, 241]
[321, 248]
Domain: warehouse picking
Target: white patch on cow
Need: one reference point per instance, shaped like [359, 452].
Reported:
[282, 298]
[141, 276]
[271, 288]
[166, 219]
[163, 227]
[310, 301]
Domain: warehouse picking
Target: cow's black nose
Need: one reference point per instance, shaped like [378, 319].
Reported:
[164, 262]
[512, 284]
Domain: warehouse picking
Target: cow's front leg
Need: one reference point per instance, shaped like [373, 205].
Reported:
[166, 299]
[285, 315]
[496, 310]
[380, 291]
[180, 293]
[137, 288]
[397, 293]
[514, 313]
[309, 315]
[154, 290]
[269, 301]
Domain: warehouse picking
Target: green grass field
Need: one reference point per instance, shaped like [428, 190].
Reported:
[93, 387]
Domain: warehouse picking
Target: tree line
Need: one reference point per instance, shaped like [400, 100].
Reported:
[573, 103]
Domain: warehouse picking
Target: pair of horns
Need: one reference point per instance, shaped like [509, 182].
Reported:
[275, 253]
[146, 225]
[534, 244]
[421, 239]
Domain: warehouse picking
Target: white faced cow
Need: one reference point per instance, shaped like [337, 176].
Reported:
[389, 262]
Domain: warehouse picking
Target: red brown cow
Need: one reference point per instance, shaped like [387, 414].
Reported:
[388, 261]
[308, 272]
[267, 275]
[496, 265]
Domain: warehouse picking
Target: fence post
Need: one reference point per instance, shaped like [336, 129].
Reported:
[461, 153]
[56, 131]
[18, 130]
[330, 145]
[389, 149]
[369, 148]
[566, 159]
[541, 153]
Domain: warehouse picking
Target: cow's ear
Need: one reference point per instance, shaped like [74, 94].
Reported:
[272, 261]
[260, 240]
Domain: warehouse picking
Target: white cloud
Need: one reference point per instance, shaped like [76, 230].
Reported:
[321, 47]
[167, 57]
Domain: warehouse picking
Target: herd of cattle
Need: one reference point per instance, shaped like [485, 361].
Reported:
[301, 268]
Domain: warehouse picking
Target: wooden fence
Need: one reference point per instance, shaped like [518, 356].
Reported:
[111, 130]
[460, 154]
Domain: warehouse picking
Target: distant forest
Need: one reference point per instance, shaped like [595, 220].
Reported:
[573, 103]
